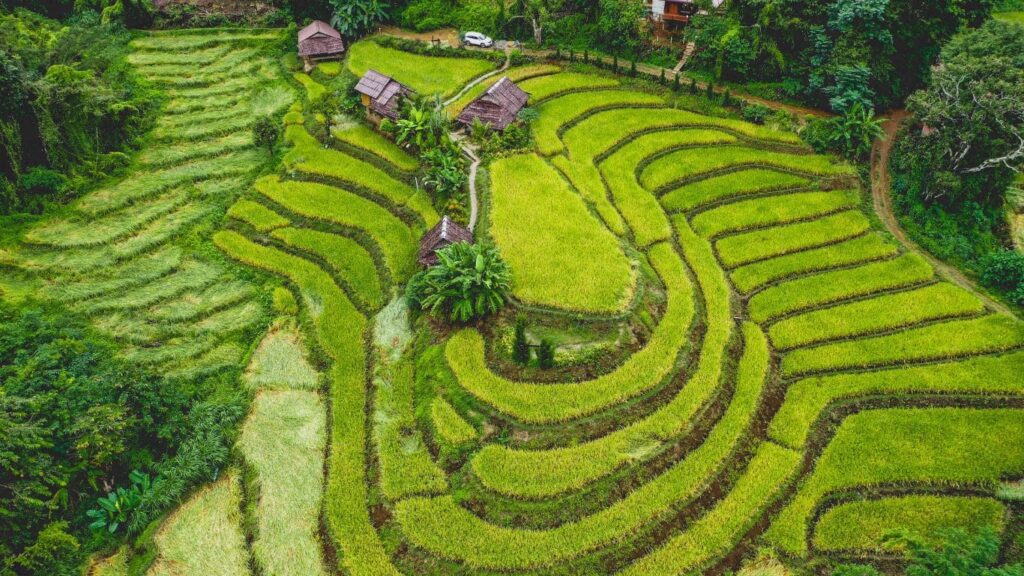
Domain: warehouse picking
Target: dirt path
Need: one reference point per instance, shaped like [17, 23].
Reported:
[473, 203]
[881, 192]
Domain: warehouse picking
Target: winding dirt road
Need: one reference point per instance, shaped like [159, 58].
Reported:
[881, 192]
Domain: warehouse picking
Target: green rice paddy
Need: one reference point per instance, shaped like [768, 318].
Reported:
[770, 364]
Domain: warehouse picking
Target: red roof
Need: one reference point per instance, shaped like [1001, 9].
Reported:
[498, 106]
[444, 234]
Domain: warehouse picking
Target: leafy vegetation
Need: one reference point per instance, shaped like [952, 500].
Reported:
[954, 164]
[469, 282]
[87, 107]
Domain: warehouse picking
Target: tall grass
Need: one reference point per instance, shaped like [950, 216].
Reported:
[779, 241]
[807, 399]
[320, 202]
[280, 362]
[204, 536]
[547, 403]
[728, 186]
[770, 211]
[424, 74]
[363, 138]
[283, 440]
[941, 341]
[552, 85]
[310, 157]
[443, 527]
[562, 111]
[545, 473]
[350, 260]
[638, 206]
[938, 446]
[885, 312]
[717, 532]
[689, 163]
[861, 526]
[257, 215]
[837, 285]
[871, 246]
[542, 228]
[340, 330]
[406, 467]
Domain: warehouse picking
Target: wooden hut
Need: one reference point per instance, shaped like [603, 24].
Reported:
[319, 41]
[381, 95]
[497, 107]
[444, 234]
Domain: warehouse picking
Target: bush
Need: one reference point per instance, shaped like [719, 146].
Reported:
[470, 281]
[521, 348]
[546, 354]
[55, 553]
[755, 113]
[265, 132]
[38, 186]
[1004, 271]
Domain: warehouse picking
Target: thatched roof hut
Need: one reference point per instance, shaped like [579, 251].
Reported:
[444, 234]
[497, 107]
[381, 94]
[319, 41]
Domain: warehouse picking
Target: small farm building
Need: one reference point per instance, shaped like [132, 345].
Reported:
[497, 107]
[319, 41]
[381, 95]
[444, 234]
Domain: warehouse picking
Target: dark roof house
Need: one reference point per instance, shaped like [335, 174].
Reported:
[497, 107]
[319, 40]
[382, 94]
[444, 234]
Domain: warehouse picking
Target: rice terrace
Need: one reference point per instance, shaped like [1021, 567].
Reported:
[372, 304]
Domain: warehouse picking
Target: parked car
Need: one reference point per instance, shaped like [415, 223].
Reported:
[478, 39]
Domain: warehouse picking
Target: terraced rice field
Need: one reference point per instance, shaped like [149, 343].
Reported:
[797, 374]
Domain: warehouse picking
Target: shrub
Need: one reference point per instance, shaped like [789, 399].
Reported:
[470, 281]
[55, 553]
[38, 186]
[546, 354]
[521, 348]
[117, 508]
[265, 132]
[1004, 271]
[755, 113]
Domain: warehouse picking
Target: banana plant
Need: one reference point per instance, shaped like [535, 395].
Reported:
[116, 508]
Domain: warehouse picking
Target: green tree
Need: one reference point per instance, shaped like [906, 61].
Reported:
[546, 354]
[469, 281]
[520, 347]
[353, 18]
[265, 132]
[623, 25]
